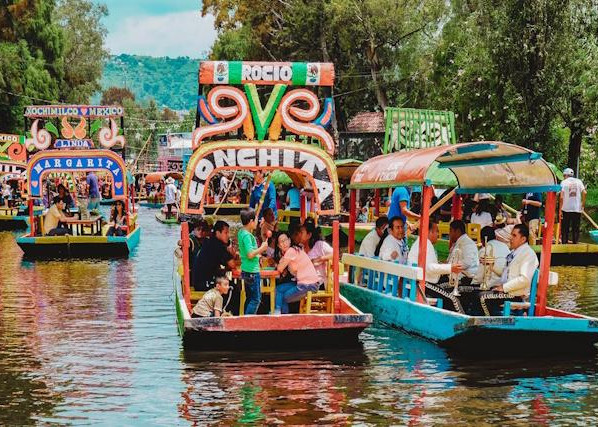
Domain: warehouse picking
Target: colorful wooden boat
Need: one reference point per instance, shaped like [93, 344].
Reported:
[225, 209]
[151, 204]
[337, 323]
[107, 202]
[88, 237]
[482, 167]
[161, 217]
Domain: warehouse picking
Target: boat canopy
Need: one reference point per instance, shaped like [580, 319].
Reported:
[154, 177]
[478, 167]
[9, 167]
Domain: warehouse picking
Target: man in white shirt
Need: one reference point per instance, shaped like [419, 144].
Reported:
[572, 202]
[395, 248]
[170, 196]
[434, 269]
[516, 279]
[495, 249]
[463, 251]
[371, 240]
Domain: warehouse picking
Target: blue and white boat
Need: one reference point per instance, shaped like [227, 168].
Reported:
[395, 294]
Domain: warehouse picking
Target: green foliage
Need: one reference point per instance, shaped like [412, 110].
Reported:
[171, 82]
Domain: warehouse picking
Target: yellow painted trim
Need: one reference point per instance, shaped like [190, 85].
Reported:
[52, 240]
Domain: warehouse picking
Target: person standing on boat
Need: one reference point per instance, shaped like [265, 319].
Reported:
[256, 194]
[395, 248]
[170, 196]
[572, 202]
[434, 270]
[250, 261]
[532, 202]
[463, 251]
[516, 279]
[400, 205]
[244, 186]
[215, 257]
[370, 241]
[93, 191]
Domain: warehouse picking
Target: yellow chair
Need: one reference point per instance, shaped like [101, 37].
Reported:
[268, 287]
[443, 229]
[475, 232]
[557, 233]
[322, 300]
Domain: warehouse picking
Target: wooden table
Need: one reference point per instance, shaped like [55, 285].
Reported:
[268, 278]
[77, 226]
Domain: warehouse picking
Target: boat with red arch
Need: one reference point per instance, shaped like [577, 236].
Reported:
[396, 294]
[73, 151]
[325, 319]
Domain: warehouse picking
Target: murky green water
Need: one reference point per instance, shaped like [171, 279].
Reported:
[96, 343]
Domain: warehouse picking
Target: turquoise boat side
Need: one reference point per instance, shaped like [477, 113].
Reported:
[131, 240]
[443, 325]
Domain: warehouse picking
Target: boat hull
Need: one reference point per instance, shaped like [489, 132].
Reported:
[160, 217]
[107, 202]
[14, 222]
[478, 335]
[271, 332]
[151, 205]
[51, 247]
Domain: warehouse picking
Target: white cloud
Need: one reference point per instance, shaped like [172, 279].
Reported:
[173, 34]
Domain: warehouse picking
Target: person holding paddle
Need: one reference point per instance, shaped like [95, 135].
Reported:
[260, 200]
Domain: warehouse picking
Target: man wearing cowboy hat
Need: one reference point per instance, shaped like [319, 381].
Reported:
[572, 201]
[170, 196]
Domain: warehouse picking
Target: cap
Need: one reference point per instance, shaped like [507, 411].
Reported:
[568, 172]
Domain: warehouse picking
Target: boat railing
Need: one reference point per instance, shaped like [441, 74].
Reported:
[384, 276]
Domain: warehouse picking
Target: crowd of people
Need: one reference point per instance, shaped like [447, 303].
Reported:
[299, 255]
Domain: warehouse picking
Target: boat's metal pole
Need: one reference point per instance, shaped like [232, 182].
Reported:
[352, 218]
[303, 207]
[377, 202]
[335, 265]
[423, 238]
[546, 252]
[185, 248]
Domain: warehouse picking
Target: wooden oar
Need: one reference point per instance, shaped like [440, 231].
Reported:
[263, 197]
[225, 193]
[589, 218]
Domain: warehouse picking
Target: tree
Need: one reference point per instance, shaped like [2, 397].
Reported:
[84, 52]
[116, 96]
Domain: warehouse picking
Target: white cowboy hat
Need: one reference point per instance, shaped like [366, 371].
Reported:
[170, 180]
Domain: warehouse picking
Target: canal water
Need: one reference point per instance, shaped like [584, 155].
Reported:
[95, 342]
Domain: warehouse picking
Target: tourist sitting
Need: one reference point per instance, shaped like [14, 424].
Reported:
[434, 270]
[299, 265]
[481, 214]
[363, 215]
[54, 217]
[65, 196]
[370, 241]
[118, 220]
[491, 247]
[210, 304]
[516, 279]
[395, 248]
[317, 249]
[463, 251]
[215, 257]
[498, 208]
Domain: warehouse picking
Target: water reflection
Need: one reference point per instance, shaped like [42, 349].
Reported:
[95, 342]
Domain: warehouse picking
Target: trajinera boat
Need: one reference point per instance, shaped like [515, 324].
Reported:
[395, 294]
[73, 150]
[326, 318]
[13, 191]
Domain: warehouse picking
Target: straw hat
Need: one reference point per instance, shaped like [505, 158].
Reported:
[500, 219]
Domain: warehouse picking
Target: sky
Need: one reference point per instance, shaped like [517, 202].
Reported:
[158, 28]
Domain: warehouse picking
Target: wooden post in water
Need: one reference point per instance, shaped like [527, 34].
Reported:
[31, 218]
[352, 219]
[335, 265]
[185, 248]
[546, 252]
[423, 238]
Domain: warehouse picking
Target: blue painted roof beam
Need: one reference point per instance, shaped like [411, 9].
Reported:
[523, 157]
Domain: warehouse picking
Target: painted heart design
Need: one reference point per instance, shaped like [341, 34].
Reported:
[84, 111]
[34, 184]
[118, 185]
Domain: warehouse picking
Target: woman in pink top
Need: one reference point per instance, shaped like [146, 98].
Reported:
[316, 248]
[300, 266]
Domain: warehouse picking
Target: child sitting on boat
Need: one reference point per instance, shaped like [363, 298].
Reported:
[211, 304]
[268, 225]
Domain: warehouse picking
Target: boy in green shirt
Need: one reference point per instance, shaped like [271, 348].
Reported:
[250, 261]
